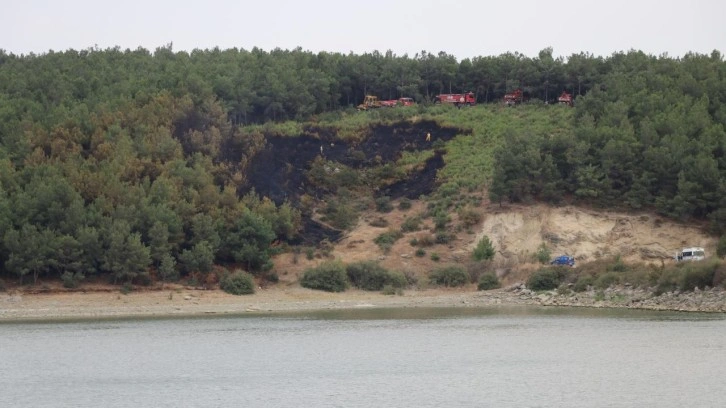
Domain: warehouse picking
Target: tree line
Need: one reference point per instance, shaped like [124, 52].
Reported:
[256, 85]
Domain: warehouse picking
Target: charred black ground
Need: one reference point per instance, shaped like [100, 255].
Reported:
[279, 170]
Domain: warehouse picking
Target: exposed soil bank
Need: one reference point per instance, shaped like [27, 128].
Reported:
[188, 302]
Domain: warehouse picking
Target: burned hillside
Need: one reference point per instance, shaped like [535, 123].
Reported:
[281, 170]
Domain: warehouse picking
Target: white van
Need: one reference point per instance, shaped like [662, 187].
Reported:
[691, 254]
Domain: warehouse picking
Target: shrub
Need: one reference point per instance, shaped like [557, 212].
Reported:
[404, 204]
[606, 280]
[487, 281]
[369, 275]
[340, 213]
[386, 240]
[668, 281]
[435, 257]
[420, 252]
[72, 280]
[449, 276]
[126, 288]
[238, 283]
[383, 204]
[469, 217]
[697, 275]
[543, 254]
[441, 219]
[617, 266]
[379, 222]
[425, 240]
[484, 250]
[721, 248]
[443, 237]
[687, 276]
[3, 288]
[329, 276]
[309, 253]
[411, 224]
[583, 282]
[546, 279]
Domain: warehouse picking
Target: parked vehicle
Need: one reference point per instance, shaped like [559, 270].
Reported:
[406, 101]
[370, 102]
[458, 100]
[564, 260]
[392, 103]
[565, 99]
[691, 254]
[514, 98]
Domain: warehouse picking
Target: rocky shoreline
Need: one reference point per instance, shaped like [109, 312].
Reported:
[20, 306]
[711, 300]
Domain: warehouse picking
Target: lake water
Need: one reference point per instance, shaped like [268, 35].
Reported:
[499, 357]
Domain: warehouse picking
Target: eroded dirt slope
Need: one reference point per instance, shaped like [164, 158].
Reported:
[518, 231]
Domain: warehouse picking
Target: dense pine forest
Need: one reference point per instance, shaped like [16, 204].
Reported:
[134, 164]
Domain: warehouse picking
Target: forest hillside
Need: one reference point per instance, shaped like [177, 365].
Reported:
[139, 167]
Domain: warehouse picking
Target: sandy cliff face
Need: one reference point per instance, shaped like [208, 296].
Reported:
[517, 232]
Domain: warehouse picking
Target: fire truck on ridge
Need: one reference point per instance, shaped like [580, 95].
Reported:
[465, 99]
[565, 99]
[392, 103]
[514, 98]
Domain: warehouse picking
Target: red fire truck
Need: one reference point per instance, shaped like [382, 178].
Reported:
[465, 99]
[565, 99]
[514, 98]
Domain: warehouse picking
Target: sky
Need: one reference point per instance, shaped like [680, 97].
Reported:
[462, 28]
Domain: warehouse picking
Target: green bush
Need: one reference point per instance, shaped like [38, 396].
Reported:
[583, 282]
[488, 280]
[126, 288]
[721, 248]
[329, 276]
[441, 218]
[379, 222]
[606, 280]
[238, 283]
[411, 224]
[484, 250]
[404, 204]
[668, 281]
[443, 237]
[420, 252]
[369, 275]
[309, 253]
[435, 257]
[72, 280]
[383, 204]
[543, 254]
[687, 276]
[617, 266]
[469, 217]
[698, 275]
[546, 279]
[386, 240]
[449, 276]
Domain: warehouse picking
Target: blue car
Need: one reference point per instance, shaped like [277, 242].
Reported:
[564, 260]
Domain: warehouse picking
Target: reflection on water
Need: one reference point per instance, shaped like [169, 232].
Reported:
[417, 357]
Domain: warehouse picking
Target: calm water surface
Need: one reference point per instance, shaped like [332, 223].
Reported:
[502, 357]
